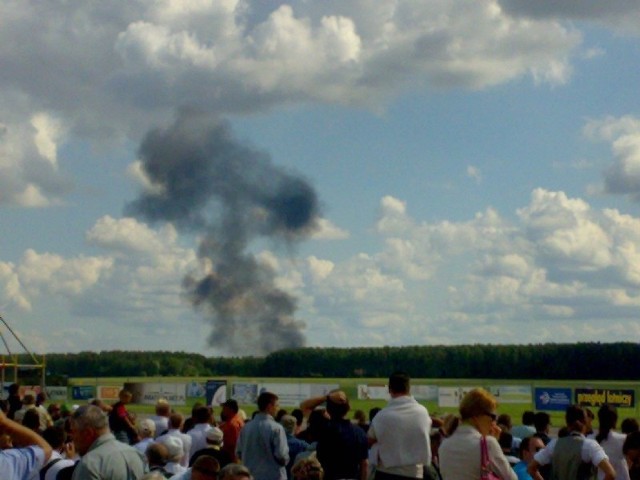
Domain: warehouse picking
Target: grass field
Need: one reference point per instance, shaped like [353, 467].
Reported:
[350, 386]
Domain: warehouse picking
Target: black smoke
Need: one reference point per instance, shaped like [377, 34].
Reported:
[206, 182]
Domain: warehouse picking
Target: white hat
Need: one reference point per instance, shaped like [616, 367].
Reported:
[174, 446]
[214, 435]
[147, 426]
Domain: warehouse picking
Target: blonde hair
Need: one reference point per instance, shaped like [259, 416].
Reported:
[477, 402]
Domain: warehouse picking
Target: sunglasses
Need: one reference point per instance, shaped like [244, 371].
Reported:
[492, 416]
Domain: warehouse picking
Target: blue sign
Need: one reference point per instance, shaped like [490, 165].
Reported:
[552, 398]
[216, 392]
[83, 392]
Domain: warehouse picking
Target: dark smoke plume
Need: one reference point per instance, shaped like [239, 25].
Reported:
[210, 184]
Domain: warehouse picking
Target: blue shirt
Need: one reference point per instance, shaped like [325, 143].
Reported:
[296, 446]
[521, 471]
[263, 448]
[20, 463]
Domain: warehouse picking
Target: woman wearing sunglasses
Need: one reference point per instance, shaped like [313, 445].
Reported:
[463, 455]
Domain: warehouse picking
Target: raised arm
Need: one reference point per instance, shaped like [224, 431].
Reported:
[23, 436]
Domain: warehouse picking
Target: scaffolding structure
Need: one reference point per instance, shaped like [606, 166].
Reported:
[11, 361]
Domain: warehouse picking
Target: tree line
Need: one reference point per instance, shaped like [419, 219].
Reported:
[604, 361]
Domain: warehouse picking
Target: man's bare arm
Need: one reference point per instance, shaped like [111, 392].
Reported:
[23, 436]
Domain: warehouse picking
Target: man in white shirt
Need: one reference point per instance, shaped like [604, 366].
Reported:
[401, 433]
[571, 456]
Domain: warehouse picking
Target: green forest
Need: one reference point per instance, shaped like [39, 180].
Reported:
[604, 361]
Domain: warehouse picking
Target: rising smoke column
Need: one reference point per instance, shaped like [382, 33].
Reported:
[207, 183]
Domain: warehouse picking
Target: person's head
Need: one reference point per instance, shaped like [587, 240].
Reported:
[399, 384]
[299, 416]
[529, 447]
[373, 412]
[450, 423]
[542, 422]
[54, 411]
[631, 449]
[175, 447]
[268, 403]
[202, 414]
[125, 396]
[31, 420]
[157, 454]
[5, 441]
[205, 468]
[234, 471]
[337, 410]
[41, 397]
[607, 421]
[214, 437]
[506, 442]
[163, 409]
[155, 475]
[528, 417]
[478, 407]
[289, 423]
[629, 425]
[54, 436]
[176, 420]
[279, 414]
[88, 422]
[14, 389]
[307, 469]
[147, 428]
[504, 420]
[229, 409]
[29, 399]
[575, 418]
[359, 417]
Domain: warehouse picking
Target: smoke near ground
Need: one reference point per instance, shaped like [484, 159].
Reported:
[207, 183]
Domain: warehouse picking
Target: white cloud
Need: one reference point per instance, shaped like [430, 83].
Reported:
[623, 175]
[474, 173]
[329, 231]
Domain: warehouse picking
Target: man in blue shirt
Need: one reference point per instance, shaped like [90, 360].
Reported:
[528, 448]
[262, 445]
[21, 463]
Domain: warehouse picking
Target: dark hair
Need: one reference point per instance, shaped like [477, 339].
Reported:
[632, 442]
[629, 425]
[265, 399]
[281, 413]
[175, 420]
[373, 412]
[337, 410]
[541, 421]
[31, 419]
[54, 437]
[528, 417]
[524, 445]
[505, 440]
[607, 418]
[504, 419]
[207, 465]
[563, 432]
[202, 414]
[575, 414]
[296, 412]
[399, 382]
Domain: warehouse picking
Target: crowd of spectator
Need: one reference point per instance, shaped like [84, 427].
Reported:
[320, 440]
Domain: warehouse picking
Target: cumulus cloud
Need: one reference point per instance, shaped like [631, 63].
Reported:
[552, 274]
[623, 133]
[619, 14]
[112, 72]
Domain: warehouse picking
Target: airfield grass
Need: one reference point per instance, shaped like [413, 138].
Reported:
[350, 386]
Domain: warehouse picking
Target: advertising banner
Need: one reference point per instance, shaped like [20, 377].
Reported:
[373, 392]
[216, 391]
[150, 393]
[83, 392]
[451, 396]
[596, 397]
[56, 393]
[552, 398]
[424, 392]
[291, 394]
[512, 393]
[196, 390]
[109, 392]
[245, 393]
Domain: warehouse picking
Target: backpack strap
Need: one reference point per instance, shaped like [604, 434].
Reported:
[45, 469]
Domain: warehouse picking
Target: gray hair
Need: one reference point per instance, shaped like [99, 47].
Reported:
[232, 470]
[90, 416]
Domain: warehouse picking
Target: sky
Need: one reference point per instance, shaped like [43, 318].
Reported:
[231, 177]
